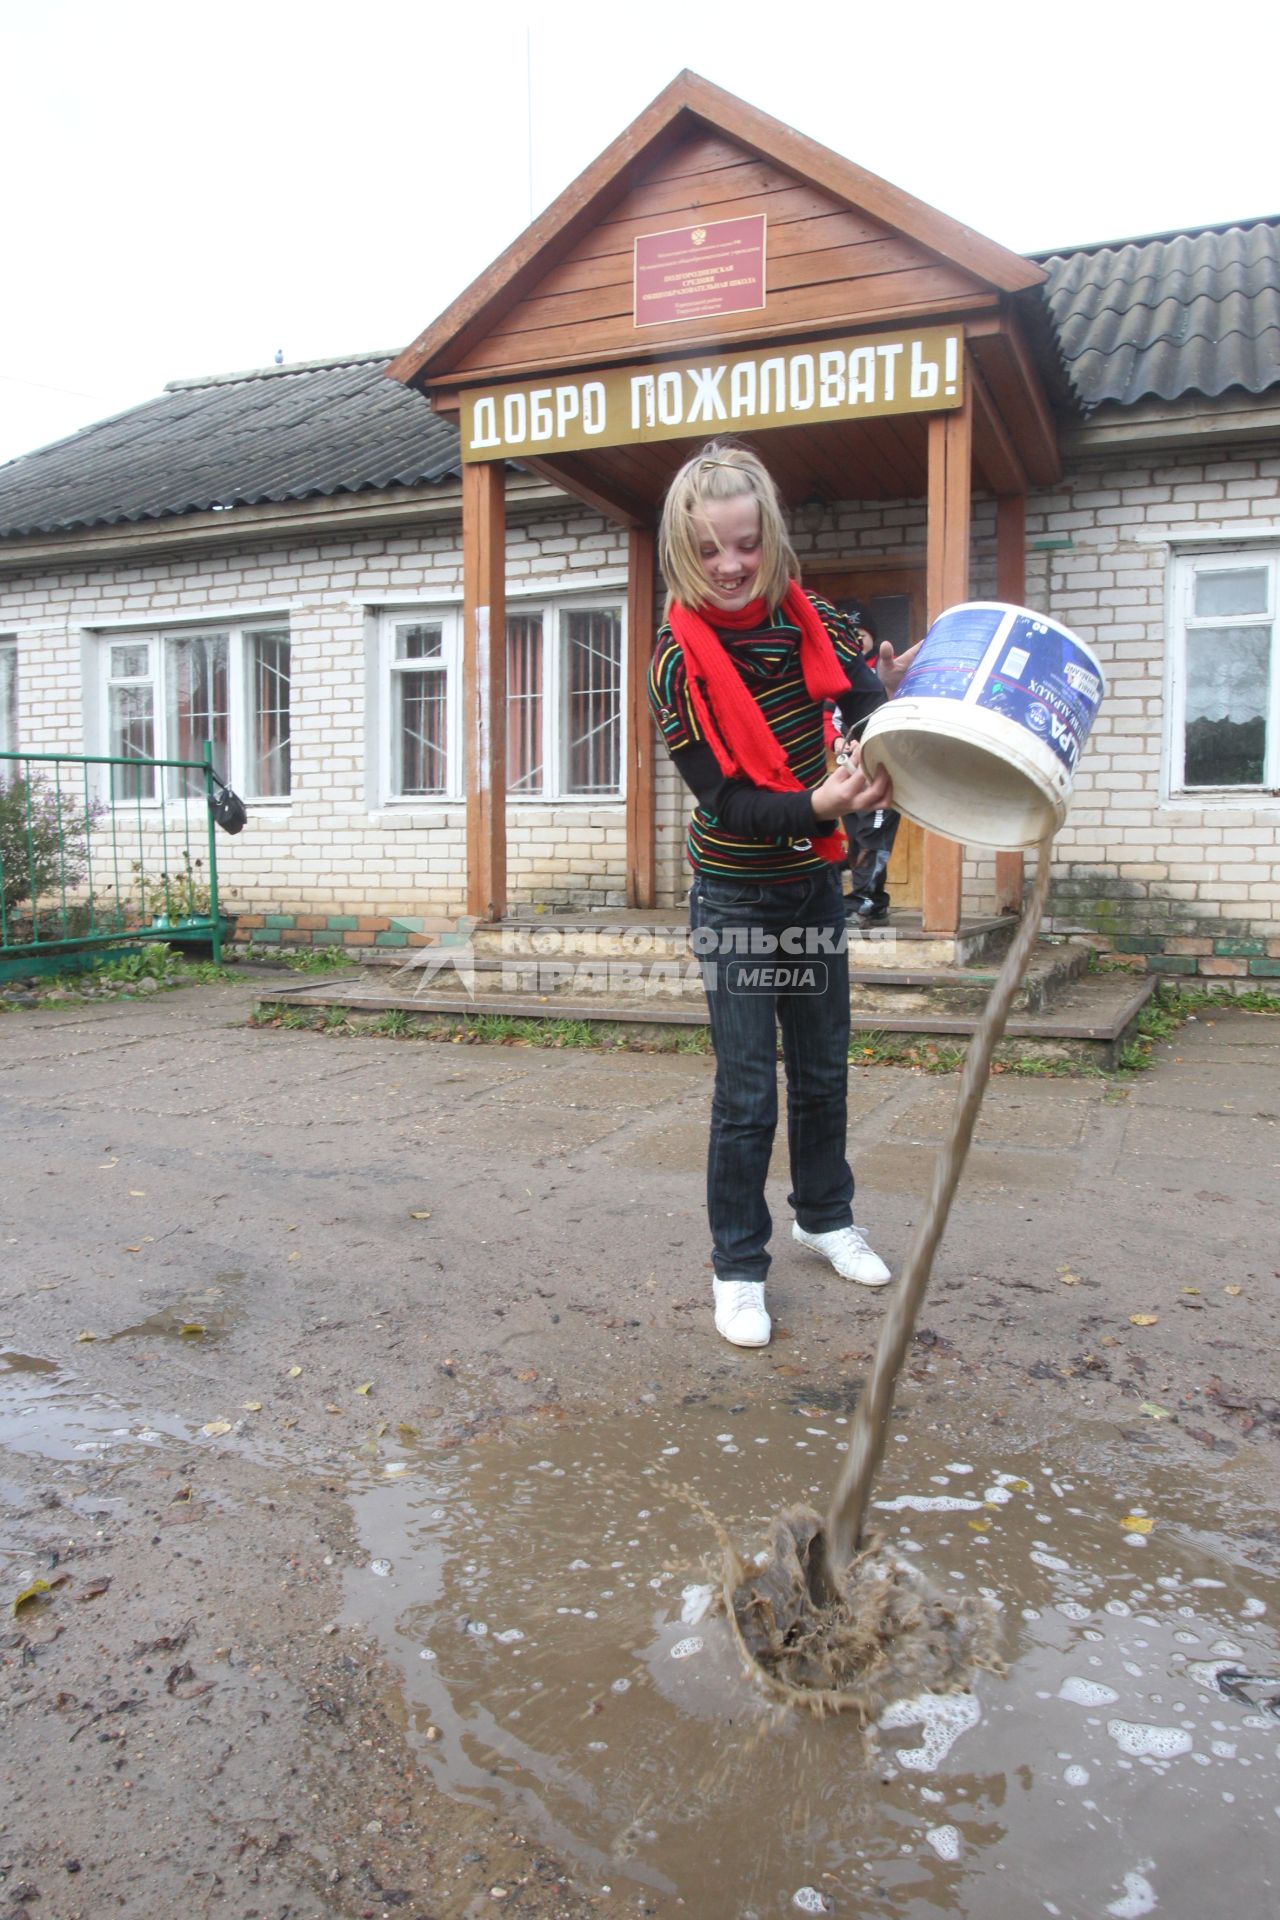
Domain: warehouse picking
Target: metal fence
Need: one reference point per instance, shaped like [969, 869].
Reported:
[99, 851]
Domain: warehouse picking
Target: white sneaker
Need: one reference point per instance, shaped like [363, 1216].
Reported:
[740, 1312]
[847, 1250]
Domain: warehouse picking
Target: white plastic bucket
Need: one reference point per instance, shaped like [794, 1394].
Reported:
[982, 738]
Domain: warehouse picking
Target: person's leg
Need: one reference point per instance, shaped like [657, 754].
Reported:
[815, 1040]
[744, 1106]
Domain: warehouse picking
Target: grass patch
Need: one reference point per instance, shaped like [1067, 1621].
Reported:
[1169, 1008]
[300, 959]
[161, 967]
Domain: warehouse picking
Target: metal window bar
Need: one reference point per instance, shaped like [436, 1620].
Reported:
[524, 703]
[593, 701]
[68, 881]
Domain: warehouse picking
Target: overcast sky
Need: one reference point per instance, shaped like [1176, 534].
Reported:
[189, 188]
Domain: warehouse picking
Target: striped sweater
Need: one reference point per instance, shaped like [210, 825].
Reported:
[737, 830]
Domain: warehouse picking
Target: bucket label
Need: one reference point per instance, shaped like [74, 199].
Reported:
[1042, 681]
[1005, 661]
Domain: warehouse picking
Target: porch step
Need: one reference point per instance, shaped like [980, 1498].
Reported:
[1089, 1020]
[648, 935]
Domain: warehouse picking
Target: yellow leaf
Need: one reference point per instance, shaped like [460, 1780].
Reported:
[1143, 1319]
[137, 1193]
[1137, 1523]
[1235, 1292]
[1068, 1278]
[252, 1406]
[105, 1166]
[292, 1421]
[216, 1427]
[86, 1335]
[365, 1388]
[192, 1331]
[1153, 1410]
[295, 1255]
[405, 1431]
[30, 1593]
[136, 1249]
[979, 1526]
[426, 1215]
[333, 1409]
[294, 1373]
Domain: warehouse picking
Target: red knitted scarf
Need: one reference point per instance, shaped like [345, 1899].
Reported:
[739, 735]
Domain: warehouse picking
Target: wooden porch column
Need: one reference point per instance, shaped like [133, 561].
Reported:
[641, 874]
[1011, 586]
[947, 571]
[484, 685]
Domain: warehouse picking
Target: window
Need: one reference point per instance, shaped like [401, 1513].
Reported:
[8, 697]
[424, 673]
[564, 701]
[1226, 673]
[170, 694]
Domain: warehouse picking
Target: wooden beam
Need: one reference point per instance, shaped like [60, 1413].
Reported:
[614, 502]
[995, 451]
[1011, 586]
[947, 579]
[641, 860]
[996, 343]
[484, 686]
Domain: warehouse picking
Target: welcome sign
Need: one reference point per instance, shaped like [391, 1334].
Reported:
[917, 371]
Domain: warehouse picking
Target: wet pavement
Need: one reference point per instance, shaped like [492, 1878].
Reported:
[409, 1345]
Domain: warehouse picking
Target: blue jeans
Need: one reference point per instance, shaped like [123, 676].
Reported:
[774, 956]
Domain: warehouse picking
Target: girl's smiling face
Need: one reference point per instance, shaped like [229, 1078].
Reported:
[727, 533]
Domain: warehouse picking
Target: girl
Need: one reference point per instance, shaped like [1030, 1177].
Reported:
[740, 677]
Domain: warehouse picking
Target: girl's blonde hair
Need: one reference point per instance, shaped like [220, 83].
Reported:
[721, 471]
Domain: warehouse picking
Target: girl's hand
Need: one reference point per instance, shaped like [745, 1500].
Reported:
[849, 790]
[892, 666]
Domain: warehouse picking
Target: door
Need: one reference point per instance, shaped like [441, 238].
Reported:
[895, 599]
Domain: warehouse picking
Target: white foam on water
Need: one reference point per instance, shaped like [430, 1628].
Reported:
[945, 1842]
[1141, 1741]
[508, 1636]
[957, 1466]
[928, 1503]
[694, 1602]
[1120, 1608]
[1201, 1581]
[1087, 1693]
[1224, 1749]
[1071, 1609]
[684, 1648]
[997, 1496]
[809, 1900]
[1076, 1776]
[1050, 1561]
[943, 1717]
[1137, 1899]
[381, 1567]
[1253, 1608]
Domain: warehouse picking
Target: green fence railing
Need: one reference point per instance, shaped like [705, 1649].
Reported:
[97, 851]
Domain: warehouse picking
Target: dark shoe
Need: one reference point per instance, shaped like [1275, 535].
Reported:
[870, 916]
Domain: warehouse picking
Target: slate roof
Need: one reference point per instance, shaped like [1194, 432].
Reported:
[282, 433]
[1170, 314]
[1160, 316]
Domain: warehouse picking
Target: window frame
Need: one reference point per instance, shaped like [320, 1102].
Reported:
[552, 607]
[10, 727]
[1186, 566]
[240, 769]
[448, 614]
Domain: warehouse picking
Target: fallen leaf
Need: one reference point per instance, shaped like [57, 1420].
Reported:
[426, 1215]
[96, 1588]
[86, 1335]
[294, 1373]
[333, 1409]
[192, 1331]
[1154, 1411]
[1068, 1278]
[526, 1374]
[1137, 1523]
[295, 1255]
[1191, 1289]
[137, 1249]
[28, 1594]
[105, 1166]
[1235, 1292]
[1143, 1319]
[137, 1193]
[405, 1431]
[291, 1421]
[215, 1427]
[979, 1526]
[252, 1406]
[183, 1493]
[365, 1388]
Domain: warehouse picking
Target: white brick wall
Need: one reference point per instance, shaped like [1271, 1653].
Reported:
[1127, 860]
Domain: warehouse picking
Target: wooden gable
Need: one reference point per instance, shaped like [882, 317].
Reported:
[844, 248]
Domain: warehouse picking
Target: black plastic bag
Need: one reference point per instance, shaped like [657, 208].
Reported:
[227, 808]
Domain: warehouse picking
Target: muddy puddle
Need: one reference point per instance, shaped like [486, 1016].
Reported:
[545, 1598]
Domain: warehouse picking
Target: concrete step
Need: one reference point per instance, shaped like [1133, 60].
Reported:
[645, 935]
[1089, 1022]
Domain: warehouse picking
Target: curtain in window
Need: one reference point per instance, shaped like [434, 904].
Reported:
[420, 719]
[592, 644]
[269, 681]
[524, 703]
[197, 684]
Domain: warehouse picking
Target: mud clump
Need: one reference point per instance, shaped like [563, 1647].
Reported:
[884, 1633]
